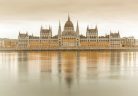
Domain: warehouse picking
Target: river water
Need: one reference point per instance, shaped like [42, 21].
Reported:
[69, 73]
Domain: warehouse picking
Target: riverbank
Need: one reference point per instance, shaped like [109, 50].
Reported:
[72, 49]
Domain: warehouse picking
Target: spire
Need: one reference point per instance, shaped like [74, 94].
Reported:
[68, 17]
[41, 27]
[87, 27]
[59, 29]
[49, 27]
[77, 29]
[110, 31]
[96, 27]
[50, 31]
[59, 24]
[118, 33]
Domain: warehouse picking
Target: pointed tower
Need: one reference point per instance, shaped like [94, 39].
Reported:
[87, 27]
[78, 37]
[59, 36]
[87, 31]
[96, 28]
[50, 31]
[41, 29]
[49, 28]
[77, 29]
[118, 34]
[68, 17]
[26, 33]
[110, 31]
[59, 30]
[19, 33]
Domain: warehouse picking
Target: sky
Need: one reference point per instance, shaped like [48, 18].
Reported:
[29, 15]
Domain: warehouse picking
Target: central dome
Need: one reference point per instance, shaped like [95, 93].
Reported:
[69, 23]
[69, 28]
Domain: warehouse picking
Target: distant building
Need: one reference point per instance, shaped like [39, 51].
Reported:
[8, 43]
[128, 42]
[115, 40]
[1, 43]
[136, 42]
[23, 40]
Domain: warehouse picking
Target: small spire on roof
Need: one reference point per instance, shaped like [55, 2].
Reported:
[41, 27]
[68, 17]
[87, 27]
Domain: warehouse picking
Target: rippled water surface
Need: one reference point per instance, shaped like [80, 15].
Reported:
[69, 73]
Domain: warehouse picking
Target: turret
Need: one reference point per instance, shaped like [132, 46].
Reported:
[87, 27]
[77, 29]
[68, 17]
[96, 28]
[77, 32]
[59, 35]
[118, 33]
[50, 31]
[87, 31]
[59, 30]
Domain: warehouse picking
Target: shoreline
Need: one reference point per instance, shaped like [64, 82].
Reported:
[72, 49]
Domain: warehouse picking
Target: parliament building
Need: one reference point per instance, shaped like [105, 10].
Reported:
[70, 38]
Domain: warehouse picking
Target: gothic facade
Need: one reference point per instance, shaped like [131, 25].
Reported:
[70, 38]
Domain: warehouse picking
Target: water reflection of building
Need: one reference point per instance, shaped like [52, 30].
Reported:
[96, 64]
[46, 62]
[68, 66]
[72, 67]
[9, 64]
[23, 65]
[92, 64]
[115, 64]
[64, 66]
[129, 65]
[59, 66]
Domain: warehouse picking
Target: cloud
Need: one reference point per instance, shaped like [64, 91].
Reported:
[35, 9]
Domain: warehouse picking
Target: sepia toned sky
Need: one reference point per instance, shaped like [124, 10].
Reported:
[29, 15]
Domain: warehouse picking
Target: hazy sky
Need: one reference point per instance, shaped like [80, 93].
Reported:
[29, 15]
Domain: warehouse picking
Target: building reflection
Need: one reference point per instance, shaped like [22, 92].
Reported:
[74, 67]
[129, 64]
[67, 70]
[59, 66]
[92, 64]
[68, 66]
[23, 65]
[48, 61]
[9, 64]
[45, 61]
[115, 64]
